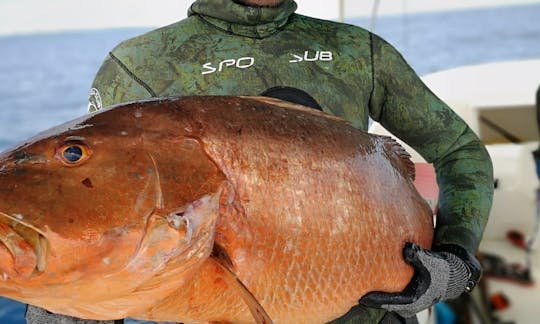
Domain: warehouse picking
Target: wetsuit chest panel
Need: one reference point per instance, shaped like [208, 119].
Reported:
[218, 63]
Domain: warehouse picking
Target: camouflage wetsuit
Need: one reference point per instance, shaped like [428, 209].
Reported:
[224, 48]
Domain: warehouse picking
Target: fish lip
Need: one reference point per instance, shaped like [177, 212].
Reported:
[28, 246]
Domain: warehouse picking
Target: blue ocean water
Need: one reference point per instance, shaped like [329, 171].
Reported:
[45, 78]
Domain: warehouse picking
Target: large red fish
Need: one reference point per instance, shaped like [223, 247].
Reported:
[206, 209]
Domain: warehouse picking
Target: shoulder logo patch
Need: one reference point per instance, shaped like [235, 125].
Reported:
[94, 100]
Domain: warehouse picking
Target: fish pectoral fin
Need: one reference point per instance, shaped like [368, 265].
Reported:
[220, 256]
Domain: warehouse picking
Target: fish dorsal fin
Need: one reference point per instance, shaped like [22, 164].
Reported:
[404, 157]
[219, 255]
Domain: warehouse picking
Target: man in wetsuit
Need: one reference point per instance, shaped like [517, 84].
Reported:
[228, 47]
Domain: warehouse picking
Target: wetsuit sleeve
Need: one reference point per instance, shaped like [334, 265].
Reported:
[115, 83]
[407, 108]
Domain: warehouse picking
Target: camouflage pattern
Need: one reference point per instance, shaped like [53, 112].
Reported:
[224, 48]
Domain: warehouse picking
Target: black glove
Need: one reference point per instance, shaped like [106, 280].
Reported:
[36, 315]
[440, 275]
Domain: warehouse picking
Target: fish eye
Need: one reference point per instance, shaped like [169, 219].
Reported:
[72, 154]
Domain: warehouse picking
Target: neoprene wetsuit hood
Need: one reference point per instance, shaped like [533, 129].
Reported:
[233, 17]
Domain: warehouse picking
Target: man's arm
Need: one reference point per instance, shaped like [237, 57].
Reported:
[115, 83]
[407, 108]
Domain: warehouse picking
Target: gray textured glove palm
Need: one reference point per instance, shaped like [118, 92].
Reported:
[438, 276]
[36, 315]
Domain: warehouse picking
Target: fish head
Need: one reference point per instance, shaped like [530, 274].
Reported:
[112, 199]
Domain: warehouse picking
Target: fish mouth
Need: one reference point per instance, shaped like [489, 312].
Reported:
[23, 248]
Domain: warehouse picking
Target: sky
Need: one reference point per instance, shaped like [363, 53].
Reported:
[29, 16]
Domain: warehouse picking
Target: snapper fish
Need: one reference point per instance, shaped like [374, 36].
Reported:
[207, 209]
